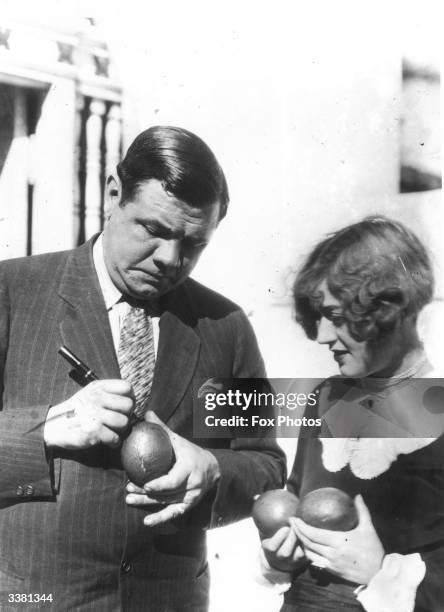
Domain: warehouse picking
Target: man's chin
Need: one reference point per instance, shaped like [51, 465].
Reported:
[149, 291]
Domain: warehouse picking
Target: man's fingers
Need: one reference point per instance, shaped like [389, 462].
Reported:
[173, 482]
[167, 514]
[133, 488]
[112, 420]
[118, 403]
[115, 395]
[108, 437]
[152, 417]
[140, 499]
[96, 414]
[177, 441]
[112, 385]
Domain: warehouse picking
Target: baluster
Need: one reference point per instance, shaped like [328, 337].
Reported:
[112, 143]
[93, 191]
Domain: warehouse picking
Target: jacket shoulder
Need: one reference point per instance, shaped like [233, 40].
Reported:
[30, 270]
[34, 261]
[207, 302]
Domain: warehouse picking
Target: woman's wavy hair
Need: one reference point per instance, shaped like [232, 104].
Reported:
[378, 270]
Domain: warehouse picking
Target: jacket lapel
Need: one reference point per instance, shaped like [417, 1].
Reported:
[85, 328]
[177, 356]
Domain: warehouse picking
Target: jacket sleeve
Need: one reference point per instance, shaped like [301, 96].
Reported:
[25, 466]
[250, 465]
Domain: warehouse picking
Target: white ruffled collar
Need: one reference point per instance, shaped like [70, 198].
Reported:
[367, 457]
[379, 405]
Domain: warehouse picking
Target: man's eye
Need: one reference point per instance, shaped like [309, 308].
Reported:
[152, 231]
[145, 228]
[194, 246]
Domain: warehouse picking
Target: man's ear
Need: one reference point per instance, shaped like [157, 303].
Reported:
[113, 195]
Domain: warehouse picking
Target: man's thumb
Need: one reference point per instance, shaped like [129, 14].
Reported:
[176, 440]
[151, 417]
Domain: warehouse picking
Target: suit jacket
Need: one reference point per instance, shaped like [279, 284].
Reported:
[65, 528]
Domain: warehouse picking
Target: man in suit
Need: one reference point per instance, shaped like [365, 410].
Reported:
[74, 533]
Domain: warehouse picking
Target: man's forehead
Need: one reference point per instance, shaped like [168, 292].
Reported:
[154, 203]
[179, 216]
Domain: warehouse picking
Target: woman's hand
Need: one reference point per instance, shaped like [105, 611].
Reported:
[283, 551]
[354, 555]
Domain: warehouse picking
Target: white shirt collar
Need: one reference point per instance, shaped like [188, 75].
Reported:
[111, 294]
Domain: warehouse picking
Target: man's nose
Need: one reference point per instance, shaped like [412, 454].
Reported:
[326, 331]
[167, 255]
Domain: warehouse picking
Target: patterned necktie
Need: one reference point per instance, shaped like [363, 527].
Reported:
[136, 355]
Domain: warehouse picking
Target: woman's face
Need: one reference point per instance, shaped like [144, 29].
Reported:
[355, 358]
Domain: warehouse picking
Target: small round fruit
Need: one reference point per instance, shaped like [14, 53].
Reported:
[272, 510]
[146, 453]
[328, 508]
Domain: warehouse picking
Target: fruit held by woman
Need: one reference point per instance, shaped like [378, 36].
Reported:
[328, 508]
[272, 509]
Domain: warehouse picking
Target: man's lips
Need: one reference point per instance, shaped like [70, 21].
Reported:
[338, 355]
[150, 275]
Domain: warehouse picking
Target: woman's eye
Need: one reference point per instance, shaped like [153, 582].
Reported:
[337, 320]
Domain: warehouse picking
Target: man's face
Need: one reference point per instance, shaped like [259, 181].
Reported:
[152, 242]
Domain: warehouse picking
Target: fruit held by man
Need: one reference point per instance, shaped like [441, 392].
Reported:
[146, 453]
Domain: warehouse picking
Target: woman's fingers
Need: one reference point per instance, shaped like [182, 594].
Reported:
[274, 543]
[317, 560]
[288, 546]
[324, 537]
[302, 530]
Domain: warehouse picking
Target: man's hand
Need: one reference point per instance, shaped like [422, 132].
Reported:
[354, 555]
[98, 413]
[194, 473]
[283, 551]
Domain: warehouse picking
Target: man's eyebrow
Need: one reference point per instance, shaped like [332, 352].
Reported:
[197, 240]
[167, 232]
[158, 226]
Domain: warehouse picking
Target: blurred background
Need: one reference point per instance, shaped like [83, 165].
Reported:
[320, 113]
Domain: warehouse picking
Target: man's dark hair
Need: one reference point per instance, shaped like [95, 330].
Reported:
[378, 270]
[181, 161]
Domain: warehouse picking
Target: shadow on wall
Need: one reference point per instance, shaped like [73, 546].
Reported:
[420, 138]
[20, 109]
